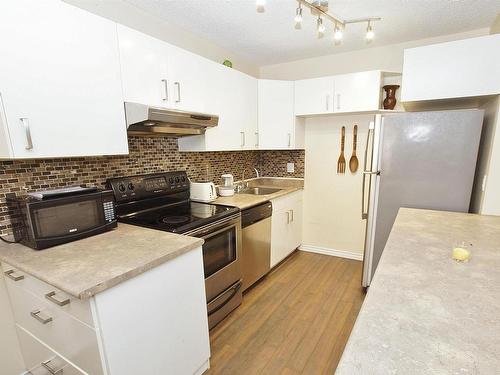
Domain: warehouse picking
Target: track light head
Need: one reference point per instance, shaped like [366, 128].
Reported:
[321, 28]
[260, 4]
[298, 17]
[370, 34]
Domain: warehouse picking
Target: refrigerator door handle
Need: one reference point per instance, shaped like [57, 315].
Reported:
[364, 215]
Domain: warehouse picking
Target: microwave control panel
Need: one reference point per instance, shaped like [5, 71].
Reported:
[148, 186]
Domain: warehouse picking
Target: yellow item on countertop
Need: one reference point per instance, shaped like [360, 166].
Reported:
[461, 254]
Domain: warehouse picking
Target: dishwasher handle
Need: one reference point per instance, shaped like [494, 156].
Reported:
[255, 214]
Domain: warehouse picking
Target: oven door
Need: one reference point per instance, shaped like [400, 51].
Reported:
[221, 254]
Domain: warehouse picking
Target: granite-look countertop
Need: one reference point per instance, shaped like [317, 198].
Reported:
[424, 312]
[243, 201]
[91, 265]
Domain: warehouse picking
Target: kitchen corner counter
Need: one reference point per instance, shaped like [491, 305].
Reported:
[86, 267]
[424, 312]
[244, 201]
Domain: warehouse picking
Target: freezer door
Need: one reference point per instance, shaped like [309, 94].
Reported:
[426, 160]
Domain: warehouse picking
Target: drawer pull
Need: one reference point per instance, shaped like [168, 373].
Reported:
[35, 314]
[50, 369]
[10, 275]
[50, 297]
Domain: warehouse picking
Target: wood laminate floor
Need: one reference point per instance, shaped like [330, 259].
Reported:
[295, 321]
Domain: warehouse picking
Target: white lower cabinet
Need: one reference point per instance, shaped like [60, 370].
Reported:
[154, 323]
[286, 226]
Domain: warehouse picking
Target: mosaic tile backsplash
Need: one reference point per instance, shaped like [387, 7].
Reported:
[146, 155]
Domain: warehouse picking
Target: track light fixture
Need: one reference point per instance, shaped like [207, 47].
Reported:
[319, 8]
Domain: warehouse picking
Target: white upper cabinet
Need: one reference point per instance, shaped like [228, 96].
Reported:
[157, 73]
[278, 128]
[459, 69]
[144, 67]
[314, 96]
[60, 85]
[232, 96]
[357, 92]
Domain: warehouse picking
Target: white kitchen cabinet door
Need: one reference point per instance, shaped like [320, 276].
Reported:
[188, 83]
[280, 223]
[276, 120]
[144, 69]
[286, 226]
[294, 239]
[233, 97]
[458, 69]
[314, 96]
[357, 92]
[60, 82]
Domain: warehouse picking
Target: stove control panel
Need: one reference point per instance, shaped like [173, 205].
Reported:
[148, 186]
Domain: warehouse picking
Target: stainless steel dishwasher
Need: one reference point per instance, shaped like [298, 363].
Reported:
[256, 243]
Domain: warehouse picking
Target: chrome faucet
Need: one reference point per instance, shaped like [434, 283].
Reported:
[257, 172]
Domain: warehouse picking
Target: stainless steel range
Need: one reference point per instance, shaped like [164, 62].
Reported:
[161, 201]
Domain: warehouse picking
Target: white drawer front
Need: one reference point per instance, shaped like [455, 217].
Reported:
[80, 309]
[285, 202]
[66, 335]
[40, 360]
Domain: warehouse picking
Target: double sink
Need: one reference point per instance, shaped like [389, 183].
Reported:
[258, 190]
[259, 186]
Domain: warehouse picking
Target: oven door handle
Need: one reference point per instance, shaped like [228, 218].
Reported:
[234, 290]
[211, 232]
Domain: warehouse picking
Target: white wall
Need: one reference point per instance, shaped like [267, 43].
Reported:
[332, 202]
[11, 362]
[126, 14]
[387, 58]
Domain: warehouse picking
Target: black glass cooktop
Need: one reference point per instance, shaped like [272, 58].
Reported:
[181, 217]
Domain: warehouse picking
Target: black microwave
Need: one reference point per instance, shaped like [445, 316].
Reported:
[43, 222]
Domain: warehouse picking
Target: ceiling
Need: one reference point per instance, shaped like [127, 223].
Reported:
[270, 37]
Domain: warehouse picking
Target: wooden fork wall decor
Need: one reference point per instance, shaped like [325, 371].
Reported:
[341, 161]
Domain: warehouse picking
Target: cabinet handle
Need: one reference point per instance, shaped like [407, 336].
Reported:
[338, 101]
[50, 369]
[10, 275]
[327, 102]
[178, 84]
[292, 215]
[165, 86]
[289, 139]
[242, 139]
[35, 314]
[288, 217]
[26, 125]
[50, 297]
[256, 139]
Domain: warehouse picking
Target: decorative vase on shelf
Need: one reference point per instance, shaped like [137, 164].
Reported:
[390, 98]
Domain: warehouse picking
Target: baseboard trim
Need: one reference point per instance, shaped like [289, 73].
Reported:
[332, 252]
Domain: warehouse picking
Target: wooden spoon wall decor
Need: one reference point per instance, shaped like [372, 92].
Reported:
[353, 162]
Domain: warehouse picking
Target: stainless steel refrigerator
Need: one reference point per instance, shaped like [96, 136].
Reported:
[418, 160]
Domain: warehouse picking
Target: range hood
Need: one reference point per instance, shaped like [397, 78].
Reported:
[145, 120]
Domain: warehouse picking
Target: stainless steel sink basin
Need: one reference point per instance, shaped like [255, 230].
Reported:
[258, 191]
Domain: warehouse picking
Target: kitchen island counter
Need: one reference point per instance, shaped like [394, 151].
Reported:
[424, 312]
[91, 265]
